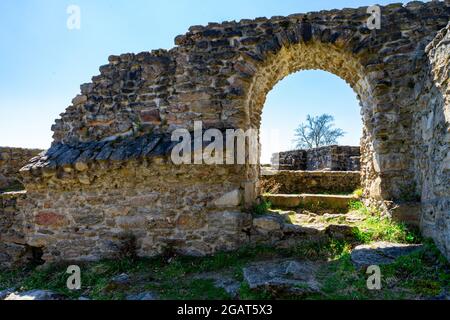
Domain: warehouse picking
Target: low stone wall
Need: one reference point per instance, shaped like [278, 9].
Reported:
[11, 161]
[13, 248]
[332, 158]
[291, 182]
[149, 206]
[290, 160]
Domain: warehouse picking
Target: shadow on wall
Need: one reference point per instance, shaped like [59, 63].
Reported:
[11, 161]
[432, 120]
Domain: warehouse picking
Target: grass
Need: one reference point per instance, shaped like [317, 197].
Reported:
[375, 227]
[424, 273]
[262, 208]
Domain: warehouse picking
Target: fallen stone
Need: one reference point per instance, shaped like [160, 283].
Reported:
[121, 279]
[117, 282]
[380, 253]
[36, 295]
[148, 295]
[283, 277]
[5, 293]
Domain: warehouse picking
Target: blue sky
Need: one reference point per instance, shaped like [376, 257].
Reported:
[42, 62]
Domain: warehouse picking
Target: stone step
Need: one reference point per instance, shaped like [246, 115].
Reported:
[339, 202]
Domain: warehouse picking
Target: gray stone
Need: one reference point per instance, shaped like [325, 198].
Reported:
[122, 278]
[380, 253]
[222, 280]
[283, 277]
[5, 293]
[36, 295]
[148, 295]
[267, 223]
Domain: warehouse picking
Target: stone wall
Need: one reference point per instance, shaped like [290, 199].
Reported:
[332, 158]
[89, 209]
[11, 160]
[13, 248]
[292, 182]
[290, 160]
[432, 98]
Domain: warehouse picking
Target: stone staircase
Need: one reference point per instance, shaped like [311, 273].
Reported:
[299, 217]
[287, 228]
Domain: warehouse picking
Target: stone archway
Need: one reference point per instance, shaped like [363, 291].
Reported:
[326, 57]
[108, 172]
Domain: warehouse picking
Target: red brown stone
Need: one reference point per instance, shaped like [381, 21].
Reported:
[49, 219]
[150, 116]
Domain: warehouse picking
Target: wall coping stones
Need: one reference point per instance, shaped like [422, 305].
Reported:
[63, 155]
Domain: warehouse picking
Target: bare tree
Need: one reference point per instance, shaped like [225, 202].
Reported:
[317, 132]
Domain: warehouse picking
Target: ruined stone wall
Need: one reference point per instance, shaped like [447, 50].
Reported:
[11, 160]
[103, 156]
[292, 182]
[290, 160]
[92, 211]
[13, 248]
[433, 153]
[332, 158]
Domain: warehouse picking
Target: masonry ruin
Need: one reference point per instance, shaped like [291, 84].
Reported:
[108, 174]
[327, 158]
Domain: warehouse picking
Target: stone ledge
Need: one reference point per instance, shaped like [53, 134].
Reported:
[296, 200]
[307, 172]
[311, 181]
[78, 155]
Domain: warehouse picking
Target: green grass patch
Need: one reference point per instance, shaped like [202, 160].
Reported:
[375, 227]
[262, 208]
[425, 272]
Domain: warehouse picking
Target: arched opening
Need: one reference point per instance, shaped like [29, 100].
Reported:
[308, 93]
[314, 56]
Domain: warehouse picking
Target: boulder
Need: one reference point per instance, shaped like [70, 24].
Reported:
[283, 277]
[380, 253]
